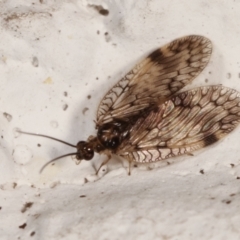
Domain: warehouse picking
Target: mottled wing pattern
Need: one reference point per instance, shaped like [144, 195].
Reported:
[189, 121]
[155, 79]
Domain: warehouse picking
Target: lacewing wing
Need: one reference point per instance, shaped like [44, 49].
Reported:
[146, 118]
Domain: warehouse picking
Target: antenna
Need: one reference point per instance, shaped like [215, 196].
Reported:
[42, 135]
[56, 139]
[55, 159]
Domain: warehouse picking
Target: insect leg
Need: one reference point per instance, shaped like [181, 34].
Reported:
[129, 167]
[104, 162]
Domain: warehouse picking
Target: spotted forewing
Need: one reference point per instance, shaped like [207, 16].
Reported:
[155, 79]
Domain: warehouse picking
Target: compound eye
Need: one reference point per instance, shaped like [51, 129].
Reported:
[88, 153]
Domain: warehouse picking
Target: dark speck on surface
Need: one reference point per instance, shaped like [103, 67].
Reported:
[23, 226]
[7, 116]
[65, 107]
[26, 206]
[85, 110]
[100, 9]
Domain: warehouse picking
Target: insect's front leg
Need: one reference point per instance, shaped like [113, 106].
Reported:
[109, 156]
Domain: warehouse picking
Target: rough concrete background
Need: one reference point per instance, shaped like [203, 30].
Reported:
[57, 60]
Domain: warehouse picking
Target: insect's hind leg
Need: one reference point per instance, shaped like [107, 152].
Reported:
[129, 167]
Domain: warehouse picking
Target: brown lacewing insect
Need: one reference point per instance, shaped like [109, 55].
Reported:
[144, 118]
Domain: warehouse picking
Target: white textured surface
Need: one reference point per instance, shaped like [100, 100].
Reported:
[51, 47]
